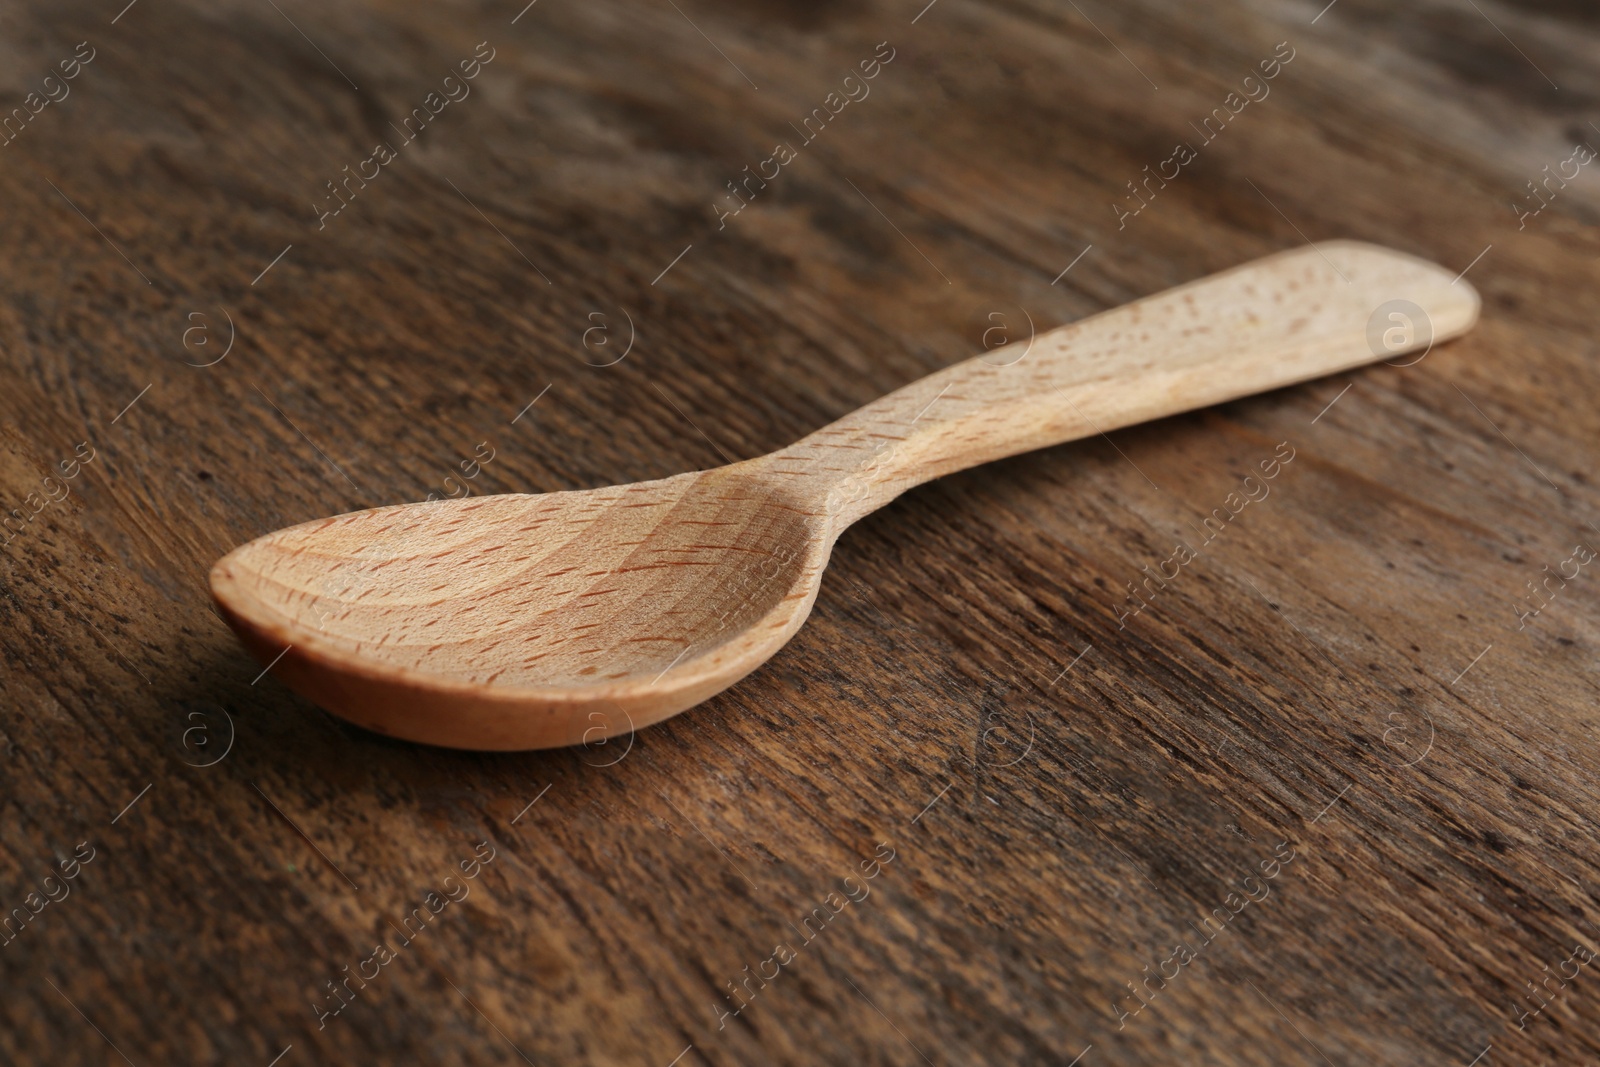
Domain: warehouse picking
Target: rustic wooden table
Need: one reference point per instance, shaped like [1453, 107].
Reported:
[1326, 797]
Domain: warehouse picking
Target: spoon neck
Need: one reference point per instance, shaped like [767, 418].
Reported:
[863, 461]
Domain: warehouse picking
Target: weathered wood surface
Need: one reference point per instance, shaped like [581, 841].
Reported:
[1339, 677]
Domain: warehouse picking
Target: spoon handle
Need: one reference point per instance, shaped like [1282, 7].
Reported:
[1283, 319]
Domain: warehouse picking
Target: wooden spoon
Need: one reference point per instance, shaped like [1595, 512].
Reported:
[532, 621]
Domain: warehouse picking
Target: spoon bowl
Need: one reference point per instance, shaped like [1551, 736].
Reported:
[487, 622]
[517, 621]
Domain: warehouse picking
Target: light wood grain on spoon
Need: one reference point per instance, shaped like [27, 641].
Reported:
[518, 621]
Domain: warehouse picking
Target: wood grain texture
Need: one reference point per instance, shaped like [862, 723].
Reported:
[527, 621]
[1350, 674]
